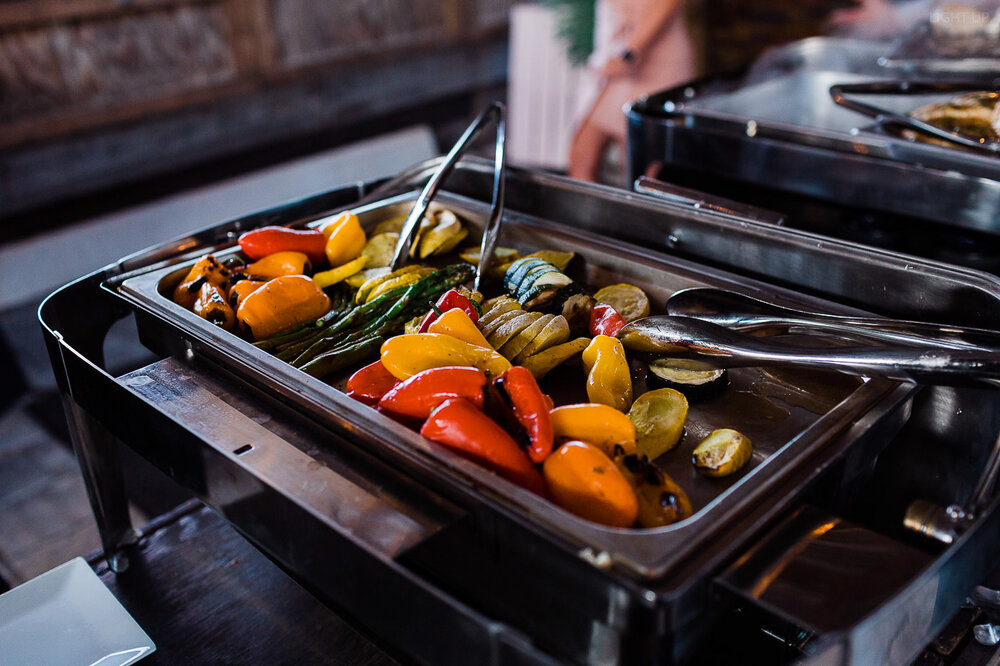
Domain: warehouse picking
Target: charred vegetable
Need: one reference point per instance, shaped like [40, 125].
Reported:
[207, 269]
[723, 452]
[661, 501]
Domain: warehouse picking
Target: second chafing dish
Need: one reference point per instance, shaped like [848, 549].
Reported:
[787, 415]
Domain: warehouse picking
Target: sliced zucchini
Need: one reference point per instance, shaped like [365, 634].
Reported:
[512, 278]
[555, 333]
[515, 345]
[499, 337]
[543, 362]
[661, 501]
[628, 300]
[528, 280]
[379, 249]
[723, 452]
[695, 384]
[658, 417]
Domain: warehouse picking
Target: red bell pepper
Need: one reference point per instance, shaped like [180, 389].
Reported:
[526, 409]
[449, 300]
[259, 243]
[458, 425]
[605, 320]
[419, 395]
[370, 383]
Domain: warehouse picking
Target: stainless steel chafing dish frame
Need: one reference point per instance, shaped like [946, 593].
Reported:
[692, 127]
[602, 614]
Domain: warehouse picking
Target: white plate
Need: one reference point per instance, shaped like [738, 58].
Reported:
[66, 617]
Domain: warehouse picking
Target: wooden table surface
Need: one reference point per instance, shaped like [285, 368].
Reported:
[206, 596]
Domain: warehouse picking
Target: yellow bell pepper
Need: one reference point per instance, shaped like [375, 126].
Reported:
[604, 427]
[406, 355]
[344, 239]
[283, 302]
[458, 324]
[334, 275]
[609, 381]
[277, 264]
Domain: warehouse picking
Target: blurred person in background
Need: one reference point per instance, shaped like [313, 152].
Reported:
[640, 46]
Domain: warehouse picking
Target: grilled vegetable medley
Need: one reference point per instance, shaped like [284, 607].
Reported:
[465, 370]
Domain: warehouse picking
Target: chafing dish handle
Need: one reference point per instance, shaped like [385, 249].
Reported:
[699, 200]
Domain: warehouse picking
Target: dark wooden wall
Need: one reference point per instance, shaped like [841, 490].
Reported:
[106, 90]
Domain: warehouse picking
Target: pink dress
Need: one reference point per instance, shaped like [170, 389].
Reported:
[669, 60]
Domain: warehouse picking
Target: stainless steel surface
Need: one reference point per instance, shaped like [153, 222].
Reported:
[277, 453]
[497, 113]
[701, 201]
[987, 634]
[774, 409]
[703, 344]
[860, 567]
[559, 600]
[775, 127]
[840, 94]
[745, 313]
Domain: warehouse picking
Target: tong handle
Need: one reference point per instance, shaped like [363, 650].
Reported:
[840, 93]
[496, 112]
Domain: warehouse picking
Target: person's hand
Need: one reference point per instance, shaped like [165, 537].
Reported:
[616, 67]
[871, 18]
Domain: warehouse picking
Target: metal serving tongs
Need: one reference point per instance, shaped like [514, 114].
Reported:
[885, 116]
[698, 344]
[495, 111]
[745, 313]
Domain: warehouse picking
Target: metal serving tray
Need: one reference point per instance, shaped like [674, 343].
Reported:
[456, 576]
[779, 128]
[787, 415]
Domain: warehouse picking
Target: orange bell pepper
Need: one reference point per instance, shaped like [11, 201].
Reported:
[278, 264]
[212, 305]
[282, 303]
[584, 481]
[207, 269]
[242, 289]
[344, 239]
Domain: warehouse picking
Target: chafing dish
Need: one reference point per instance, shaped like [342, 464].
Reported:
[777, 130]
[409, 539]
